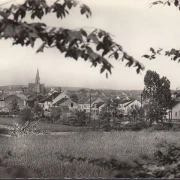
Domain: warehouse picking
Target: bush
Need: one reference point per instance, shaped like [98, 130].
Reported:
[55, 113]
[37, 111]
[3, 131]
[26, 114]
[137, 127]
[80, 118]
[175, 127]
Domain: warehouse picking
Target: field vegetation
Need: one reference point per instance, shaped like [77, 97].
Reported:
[72, 154]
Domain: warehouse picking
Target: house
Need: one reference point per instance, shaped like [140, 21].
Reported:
[59, 97]
[20, 98]
[97, 107]
[46, 102]
[175, 112]
[84, 103]
[66, 102]
[32, 99]
[126, 106]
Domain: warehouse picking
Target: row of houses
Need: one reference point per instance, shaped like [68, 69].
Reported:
[61, 99]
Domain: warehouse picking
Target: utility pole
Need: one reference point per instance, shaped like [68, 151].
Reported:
[90, 108]
[171, 109]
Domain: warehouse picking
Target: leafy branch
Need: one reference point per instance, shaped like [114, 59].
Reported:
[176, 3]
[39, 8]
[96, 46]
[173, 53]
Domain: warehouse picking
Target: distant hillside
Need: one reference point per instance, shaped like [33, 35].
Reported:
[12, 87]
[108, 91]
[69, 88]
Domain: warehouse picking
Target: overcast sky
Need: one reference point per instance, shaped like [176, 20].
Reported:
[134, 25]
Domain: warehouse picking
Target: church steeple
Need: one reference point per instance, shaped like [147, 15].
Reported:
[37, 80]
[37, 83]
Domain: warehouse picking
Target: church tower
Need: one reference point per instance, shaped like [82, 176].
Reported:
[37, 83]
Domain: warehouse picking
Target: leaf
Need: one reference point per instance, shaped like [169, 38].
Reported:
[50, 41]
[4, 15]
[94, 38]
[102, 69]
[100, 34]
[152, 50]
[175, 58]
[99, 46]
[107, 42]
[138, 70]
[116, 55]
[41, 48]
[168, 3]
[32, 42]
[39, 13]
[105, 52]
[106, 75]
[176, 3]
[173, 51]
[146, 56]
[83, 32]
[52, 30]
[23, 13]
[69, 4]
[89, 50]
[83, 10]
[33, 15]
[153, 57]
[47, 10]
[111, 55]
[167, 53]
[8, 32]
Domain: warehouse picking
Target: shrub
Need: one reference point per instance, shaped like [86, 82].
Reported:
[3, 131]
[26, 114]
[55, 113]
[80, 117]
[37, 111]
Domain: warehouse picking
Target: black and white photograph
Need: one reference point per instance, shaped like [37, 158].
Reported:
[89, 89]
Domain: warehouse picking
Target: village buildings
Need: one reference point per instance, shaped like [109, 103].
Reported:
[90, 101]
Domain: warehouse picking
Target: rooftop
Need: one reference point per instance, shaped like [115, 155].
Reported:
[61, 101]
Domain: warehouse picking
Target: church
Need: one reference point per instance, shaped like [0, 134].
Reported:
[37, 87]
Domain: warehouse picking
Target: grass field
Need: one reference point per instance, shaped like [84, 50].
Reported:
[39, 152]
[8, 121]
[44, 125]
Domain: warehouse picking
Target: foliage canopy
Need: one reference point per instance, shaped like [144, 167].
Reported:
[73, 43]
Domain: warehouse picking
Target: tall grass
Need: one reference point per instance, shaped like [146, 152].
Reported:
[39, 151]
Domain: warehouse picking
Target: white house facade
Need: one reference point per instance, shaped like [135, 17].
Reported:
[176, 110]
[126, 107]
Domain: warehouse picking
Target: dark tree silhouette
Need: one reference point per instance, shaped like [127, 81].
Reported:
[157, 91]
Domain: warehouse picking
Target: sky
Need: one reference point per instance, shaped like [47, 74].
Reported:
[133, 24]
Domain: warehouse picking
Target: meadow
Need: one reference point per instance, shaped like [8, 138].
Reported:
[40, 152]
[42, 125]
